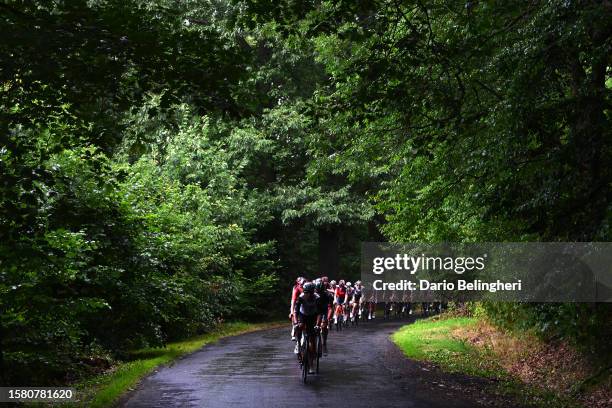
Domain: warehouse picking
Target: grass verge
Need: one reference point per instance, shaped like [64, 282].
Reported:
[106, 389]
[432, 340]
[442, 341]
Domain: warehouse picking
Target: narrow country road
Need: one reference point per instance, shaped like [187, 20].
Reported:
[363, 369]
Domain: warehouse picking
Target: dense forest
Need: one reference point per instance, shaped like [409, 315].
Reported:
[168, 164]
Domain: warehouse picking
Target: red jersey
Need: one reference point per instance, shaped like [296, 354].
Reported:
[297, 291]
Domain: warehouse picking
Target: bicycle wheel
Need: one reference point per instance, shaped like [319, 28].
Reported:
[319, 350]
[305, 359]
[299, 354]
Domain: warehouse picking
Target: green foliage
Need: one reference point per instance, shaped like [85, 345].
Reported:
[586, 325]
[475, 120]
[325, 207]
[256, 297]
[124, 255]
[463, 122]
[165, 165]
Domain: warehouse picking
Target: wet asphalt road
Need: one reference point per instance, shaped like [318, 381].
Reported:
[363, 369]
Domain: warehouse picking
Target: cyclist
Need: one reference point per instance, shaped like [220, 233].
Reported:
[327, 300]
[332, 291]
[407, 309]
[389, 306]
[309, 309]
[329, 292]
[295, 292]
[332, 287]
[339, 299]
[347, 305]
[425, 308]
[357, 300]
[372, 301]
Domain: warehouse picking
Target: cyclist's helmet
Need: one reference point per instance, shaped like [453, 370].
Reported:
[309, 287]
[324, 279]
[341, 283]
[348, 284]
[300, 280]
[318, 284]
[332, 283]
[358, 283]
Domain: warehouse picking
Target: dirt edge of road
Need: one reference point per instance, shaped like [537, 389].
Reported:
[428, 379]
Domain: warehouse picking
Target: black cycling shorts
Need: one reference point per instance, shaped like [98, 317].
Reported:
[308, 321]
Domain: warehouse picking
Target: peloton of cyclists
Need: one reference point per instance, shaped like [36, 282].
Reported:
[345, 302]
[315, 304]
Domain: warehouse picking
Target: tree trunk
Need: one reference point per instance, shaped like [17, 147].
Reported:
[328, 251]
[374, 233]
[590, 133]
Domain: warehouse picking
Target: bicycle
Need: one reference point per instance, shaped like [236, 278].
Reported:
[324, 336]
[305, 353]
[339, 316]
[354, 313]
[346, 311]
[319, 349]
[406, 309]
[388, 310]
[372, 309]
[363, 311]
